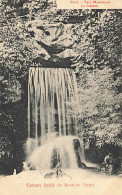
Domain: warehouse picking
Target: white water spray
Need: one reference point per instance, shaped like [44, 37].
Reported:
[50, 125]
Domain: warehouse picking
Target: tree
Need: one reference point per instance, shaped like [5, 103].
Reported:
[97, 106]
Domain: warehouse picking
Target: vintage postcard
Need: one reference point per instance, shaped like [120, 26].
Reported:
[60, 94]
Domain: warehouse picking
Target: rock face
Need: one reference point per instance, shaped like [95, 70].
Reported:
[53, 42]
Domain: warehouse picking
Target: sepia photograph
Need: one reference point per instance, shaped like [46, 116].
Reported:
[60, 98]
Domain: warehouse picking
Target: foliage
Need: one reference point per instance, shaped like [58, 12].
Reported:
[97, 106]
[98, 39]
[97, 64]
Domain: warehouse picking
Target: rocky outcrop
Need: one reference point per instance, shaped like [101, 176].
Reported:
[53, 42]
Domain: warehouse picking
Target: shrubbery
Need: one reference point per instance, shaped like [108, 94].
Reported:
[97, 65]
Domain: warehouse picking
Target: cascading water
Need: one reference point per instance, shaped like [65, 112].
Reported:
[51, 128]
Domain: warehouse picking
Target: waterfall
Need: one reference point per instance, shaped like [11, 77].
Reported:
[49, 90]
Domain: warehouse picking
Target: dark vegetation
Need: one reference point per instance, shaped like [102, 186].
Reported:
[94, 53]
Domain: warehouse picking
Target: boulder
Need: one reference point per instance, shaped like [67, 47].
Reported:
[53, 42]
